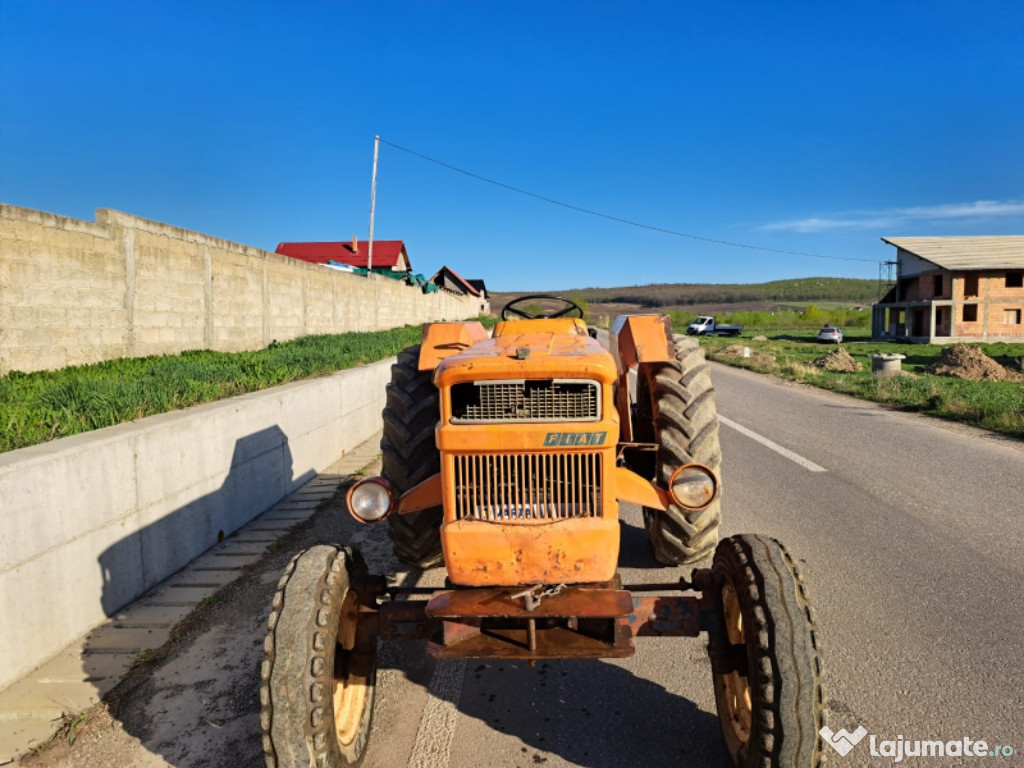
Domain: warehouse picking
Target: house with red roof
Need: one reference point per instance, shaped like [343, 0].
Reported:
[387, 254]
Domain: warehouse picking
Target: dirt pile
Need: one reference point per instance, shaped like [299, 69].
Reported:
[965, 361]
[838, 361]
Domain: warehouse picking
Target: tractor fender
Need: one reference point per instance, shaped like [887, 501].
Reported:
[636, 339]
[441, 340]
[641, 339]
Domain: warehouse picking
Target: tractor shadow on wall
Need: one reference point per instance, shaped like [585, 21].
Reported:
[143, 592]
[261, 469]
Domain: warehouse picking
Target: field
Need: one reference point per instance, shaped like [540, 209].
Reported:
[994, 405]
[789, 321]
[687, 300]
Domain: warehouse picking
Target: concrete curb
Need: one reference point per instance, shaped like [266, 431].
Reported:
[92, 522]
[32, 709]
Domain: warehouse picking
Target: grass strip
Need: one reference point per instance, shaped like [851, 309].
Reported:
[993, 405]
[807, 318]
[47, 405]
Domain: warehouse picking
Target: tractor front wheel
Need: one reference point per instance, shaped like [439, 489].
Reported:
[770, 702]
[320, 664]
[679, 401]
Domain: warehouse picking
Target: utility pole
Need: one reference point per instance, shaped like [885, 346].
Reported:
[886, 270]
[373, 202]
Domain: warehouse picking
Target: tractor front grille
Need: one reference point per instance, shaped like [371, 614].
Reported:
[496, 402]
[527, 486]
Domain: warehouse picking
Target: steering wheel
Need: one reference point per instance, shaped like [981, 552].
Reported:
[512, 309]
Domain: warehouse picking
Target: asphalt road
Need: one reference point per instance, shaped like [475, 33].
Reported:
[912, 542]
[909, 535]
[908, 532]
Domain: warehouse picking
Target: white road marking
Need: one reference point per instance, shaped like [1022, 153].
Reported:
[805, 463]
[433, 747]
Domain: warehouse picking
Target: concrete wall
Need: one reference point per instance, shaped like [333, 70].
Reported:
[92, 521]
[75, 292]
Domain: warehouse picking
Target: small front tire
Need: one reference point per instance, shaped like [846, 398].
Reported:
[319, 670]
[771, 707]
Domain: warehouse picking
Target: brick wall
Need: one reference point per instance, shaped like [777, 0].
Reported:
[923, 287]
[75, 292]
[992, 299]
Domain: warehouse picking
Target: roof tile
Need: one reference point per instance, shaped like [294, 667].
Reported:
[984, 252]
[386, 253]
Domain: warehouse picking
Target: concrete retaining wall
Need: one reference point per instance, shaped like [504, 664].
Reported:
[92, 521]
[75, 292]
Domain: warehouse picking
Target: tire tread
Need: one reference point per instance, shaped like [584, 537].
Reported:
[298, 663]
[686, 426]
[783, 651]
[410, 456]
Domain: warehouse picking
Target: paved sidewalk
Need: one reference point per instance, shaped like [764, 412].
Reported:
[32, 708]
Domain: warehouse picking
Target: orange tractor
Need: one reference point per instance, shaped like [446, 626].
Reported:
[505, 457]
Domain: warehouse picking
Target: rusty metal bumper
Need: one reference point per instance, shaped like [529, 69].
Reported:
[582, 621]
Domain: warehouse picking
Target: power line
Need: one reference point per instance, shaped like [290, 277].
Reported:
[618, 219]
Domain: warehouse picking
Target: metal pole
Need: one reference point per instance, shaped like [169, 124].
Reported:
[373, 201]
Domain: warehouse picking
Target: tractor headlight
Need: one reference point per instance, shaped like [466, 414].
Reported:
[370, 500]
[693, 486]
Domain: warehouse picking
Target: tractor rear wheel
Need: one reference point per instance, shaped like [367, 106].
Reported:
[681, 403]
[410, 456]
[771, 704]
[319, 671]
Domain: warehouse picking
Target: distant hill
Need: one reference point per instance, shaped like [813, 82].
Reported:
[721, 297]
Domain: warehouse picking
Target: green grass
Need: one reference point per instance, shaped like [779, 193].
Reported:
[47, 405]
[147, 656]
[812, 316]
[994, 405]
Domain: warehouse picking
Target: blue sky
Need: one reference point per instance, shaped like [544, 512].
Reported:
[796, 126]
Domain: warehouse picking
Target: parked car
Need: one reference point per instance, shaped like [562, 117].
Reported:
[831, 333]
[706, 325]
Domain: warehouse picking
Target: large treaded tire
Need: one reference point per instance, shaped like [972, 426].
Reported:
[318, 677]
[410, 456]
[686, 430]
[783, 666]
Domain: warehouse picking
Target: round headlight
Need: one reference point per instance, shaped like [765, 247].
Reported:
[370, 500]
[693, 486]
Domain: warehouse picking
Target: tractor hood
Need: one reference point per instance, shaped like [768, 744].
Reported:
[529, 355]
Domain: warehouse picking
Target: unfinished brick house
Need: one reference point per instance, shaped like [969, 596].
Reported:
[953, 289]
